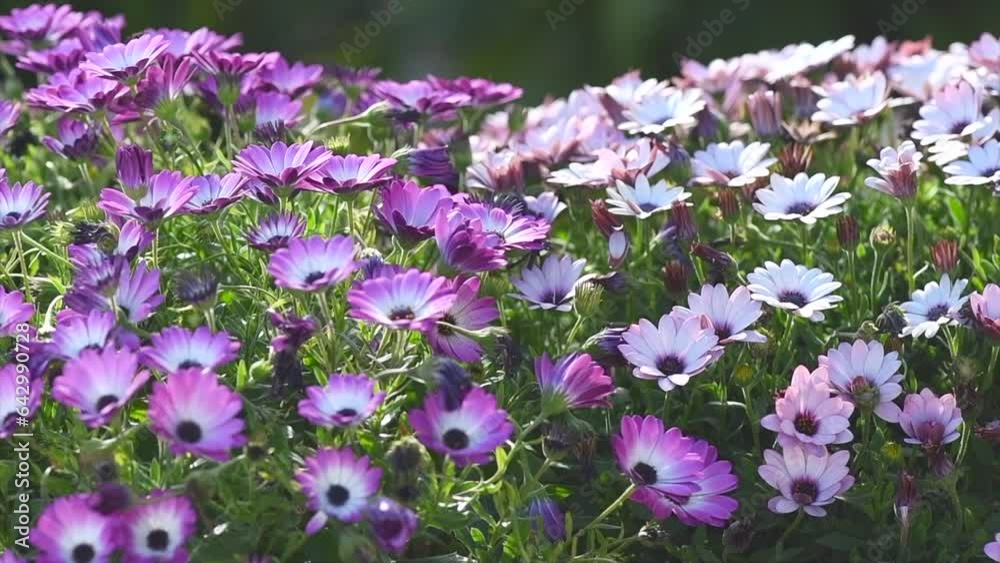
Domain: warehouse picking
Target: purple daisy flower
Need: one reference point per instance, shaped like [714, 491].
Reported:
[805, 481]
[672, 352]
[409, 211]
[546, 511]
[465, 246]
[352, 173]
[178, 349]
[992, 549]
[214, 194]
[125, 61]
[652, 457]
[346, 400]
[11, 557]
[516, 231]
[164, 83]
[392, 524]
[21, 204]
[411, 300]
[75, 92]
[808, 415]
[13, 404]
[313, 264]
[76, 333]
[574, 381]
[275, 231]
[40, 21]
[730, 315]
[551, 285]
[158, 528]
[865, 375]
[338, 484]
[167, 195]
[281, 165]
[274, 109]
[433, 164]
[482, 92]
[75, 139]
[133, 239]
[10, 112]
[69, 531]
[99, 383]
[14, 310]
[232, 66]
[986, 310]
[138, 294]
[469, 433]
[197, 414]
[293, 331]
[134, 168]
[931, 422]
[292, 80]
[63, 57]
[416, 98]
[469, 313]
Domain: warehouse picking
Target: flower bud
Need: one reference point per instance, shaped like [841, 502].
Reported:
[883, 235]
[743, 375]
[589, 297]
[135, 166]
[607, 223]
[892, 451]
[729, 204]
[944, 255]
[795, 158]
[546, 511]
[739, 535]
[197, 287]
[675, 277]
[892, 320]
[618, 247]
[765, 112]
[434, 164]
[682, 221]
[848, 234]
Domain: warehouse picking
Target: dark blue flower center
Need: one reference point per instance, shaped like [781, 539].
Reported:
[801, 208]
[83, 553]
[670, 365]
[794, 297]
[455, 439]
[347, 412]
[189, 431]
[401, 314]
[158, 540]
[337, 495]
[105, 401]
[936, 312]
[644, 473]
[805, 424]
[188, 364]
[313, 277]
[804, 492]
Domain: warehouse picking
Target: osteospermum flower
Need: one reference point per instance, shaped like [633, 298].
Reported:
[799, 290]
[731, 164]
[346, 400]
[954, 112]
[898, 170]
[545, 206]
[195, 413]
[124, 61]
[465, 245]
[411, 300]
[392, 524]
[729, 315]
[82, 332]
[11, 557]
[167, 195]
[546, 511]
[409, 211]
[274, 231]
[291, 79]
[10, 112]
[551, 285]
[468, 312]
[339, 484]
[982, 166]
[14, 310]
[986, 310]
[69, 531]
[642, 200]
[138, 294]
[158, 528]
[175, 349]
[808, 416]
[74, 139]
[805, 481]
[992, 549]
[99, 383]
[213, 193]
[934, 306]
[352, 173]
[864, 374]
[76, 92]
[313, 264]
[854, 100]
[804, 198]
[469, 433]
[930, 421]
[656, 458]
[663, 109]
[670, 353]
[281, 165]
[516, 231]
[21, 204]
[572, 382]
[14, 405]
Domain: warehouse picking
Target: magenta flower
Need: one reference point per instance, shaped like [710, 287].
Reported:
[167, 195]
[352, 173]
[274, 109]
[99, 383]
[482, 92]
[10, 112]
[574, 381]
[469, 434]
[76, 333]
[515, 231]
[275, 231]
[124, 61]
[655, 458]
[291, 80]
[339, 484]
[730, 315]
[36, 22]
[313, 264]
[133, 239]
[70, 530]
[21, 204]
[14, 310]
[232, 66]
[931, 422]
[412, 300]
[13, 403]
[392, 524]
[61, 58]
[214, 194]
[138, 293]
[346, 400]
[469, 312]
[865, 375]
[670, 353]
[807, 416]
[409, 211]
[197, 414]
[178, 349]
[75, 92]
[281, 165]
[416, 98]
[986, 310]
[465, 246]
[157, 528]
[75, 139]
[163, 84]
[805, 481]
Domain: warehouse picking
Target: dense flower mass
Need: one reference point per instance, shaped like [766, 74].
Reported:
[258, 309]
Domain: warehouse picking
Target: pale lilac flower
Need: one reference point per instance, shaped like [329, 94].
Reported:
[274, 109]
[625, 163]
[985, 51]
[10, 112]
[313, 264]
[992, 549]
[352, 173]
[291, 80]
[672, 352]
[934, 306]
[176, 349]
[465, 245]
[125, 61]
[898, 170]
[954, 112]
[986, 310]
[546, 206]
[662, 110]
[410, 300]
[275, 230]
[75, 92]
[730, 315]
[864, 374]
[551, 285]
[75, 139]
[281, 165]
[167, 195]
[642, 200]
[799, 290]
[852, 101]
[802, 198]
[731, 164]
[214, 193]
[808, 415]
[805, 481]
[931, 422]
[497, 171]
[516, 231]
[981, 168]
[469, 312]
[21, 204]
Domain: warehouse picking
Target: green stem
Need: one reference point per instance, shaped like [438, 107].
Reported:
[992, 369]
[501, 471]
[607, 511]
[910, 274]
[788, 532]
[25, 278]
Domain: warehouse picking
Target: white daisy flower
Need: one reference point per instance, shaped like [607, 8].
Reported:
[799, 290]
[643, 200]
[552, 285]
[730, 315]
[955, 111]
[804, 198]
[934, 306]
[986, 52]
[854, 100]
[949, 150]
[625, 163]
[866, 375]
[546, 205]
[731, 164]
[662, 110]
[672, 352]
[982, 166]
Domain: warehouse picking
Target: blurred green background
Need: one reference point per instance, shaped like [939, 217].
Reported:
[549, 46]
